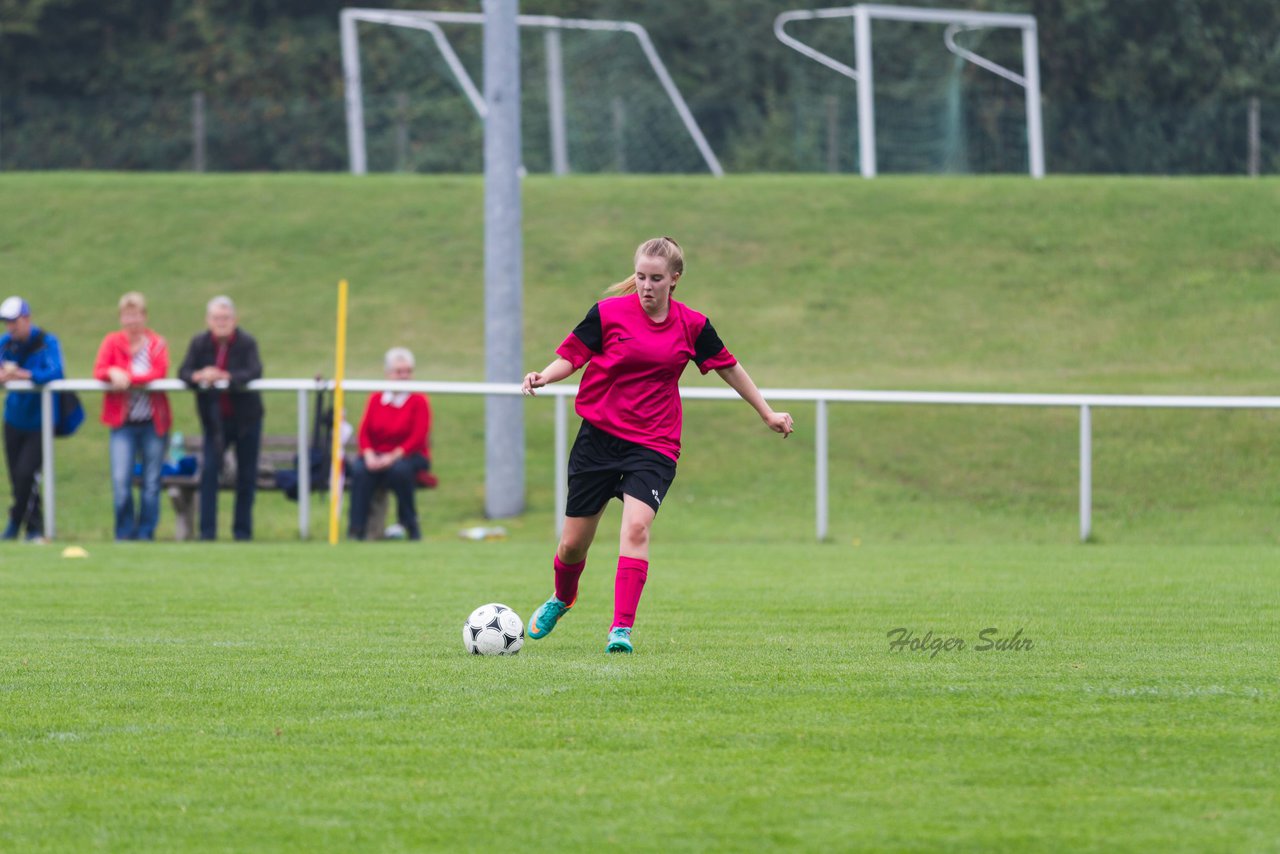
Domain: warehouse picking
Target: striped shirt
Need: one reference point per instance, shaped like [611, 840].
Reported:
[140, 401]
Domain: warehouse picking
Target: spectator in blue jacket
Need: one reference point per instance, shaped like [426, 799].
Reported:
[26, 353]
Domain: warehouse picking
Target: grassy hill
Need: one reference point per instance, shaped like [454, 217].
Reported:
[1071, 284]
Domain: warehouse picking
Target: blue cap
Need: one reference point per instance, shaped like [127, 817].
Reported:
[13, 308]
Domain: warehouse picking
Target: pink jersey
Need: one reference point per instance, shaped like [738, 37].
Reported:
[630, 388]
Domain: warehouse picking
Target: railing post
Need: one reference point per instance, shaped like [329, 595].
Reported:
[562, 474]
[1086, 474]
[304, 470]
[46, 449]
[820, 473]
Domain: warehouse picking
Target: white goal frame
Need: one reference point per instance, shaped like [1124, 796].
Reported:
[957, 21]
[430, 22]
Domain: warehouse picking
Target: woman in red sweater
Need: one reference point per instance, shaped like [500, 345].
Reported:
[394, 449]
[139, 420]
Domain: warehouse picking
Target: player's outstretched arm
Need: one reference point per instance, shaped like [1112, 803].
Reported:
[552, 373]
[738, 380]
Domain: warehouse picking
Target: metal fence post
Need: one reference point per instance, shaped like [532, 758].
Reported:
[866, 92]
[402, 131]
[197, 132]
[1255, 137]
[1086, 474]
[562, 463]
[46, 448]
[1035, 121]
[352, 92]
[304, 470]
[833, 134]
[619, 112]
[820, 472]
[555, 103]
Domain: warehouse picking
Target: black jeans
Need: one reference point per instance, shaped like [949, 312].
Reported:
[401, 477]
[25, 456]
[247, 441]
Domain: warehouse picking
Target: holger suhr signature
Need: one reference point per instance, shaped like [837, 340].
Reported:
[989, 640]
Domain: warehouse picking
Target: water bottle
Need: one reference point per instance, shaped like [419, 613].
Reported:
[176, 450]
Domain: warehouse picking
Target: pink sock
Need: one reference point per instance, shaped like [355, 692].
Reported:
[628, 584]
[567, 580]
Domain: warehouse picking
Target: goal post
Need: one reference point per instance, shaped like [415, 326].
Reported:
[956, 21]
[430, 22]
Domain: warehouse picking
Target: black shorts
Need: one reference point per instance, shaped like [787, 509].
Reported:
[602, 466]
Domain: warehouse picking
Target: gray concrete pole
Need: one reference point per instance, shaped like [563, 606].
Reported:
[503, 261]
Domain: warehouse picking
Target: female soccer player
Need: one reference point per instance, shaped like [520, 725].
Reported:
[635, 345]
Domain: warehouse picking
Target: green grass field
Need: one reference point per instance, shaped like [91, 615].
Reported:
[291, 697]
[973, 284]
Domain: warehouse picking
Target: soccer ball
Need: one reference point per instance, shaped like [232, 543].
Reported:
[493, 629]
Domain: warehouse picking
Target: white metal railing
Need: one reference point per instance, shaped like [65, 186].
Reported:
[820, 397]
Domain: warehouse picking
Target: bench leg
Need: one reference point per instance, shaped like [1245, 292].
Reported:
[376, 527]
[184, 502]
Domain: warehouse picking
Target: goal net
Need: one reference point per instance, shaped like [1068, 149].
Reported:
[902, 89]
[595, 96]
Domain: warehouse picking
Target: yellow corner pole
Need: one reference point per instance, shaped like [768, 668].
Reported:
[339, 370]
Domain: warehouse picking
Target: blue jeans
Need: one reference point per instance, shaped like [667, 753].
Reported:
[128, 443]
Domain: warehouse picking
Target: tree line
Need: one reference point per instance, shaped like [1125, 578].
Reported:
[1121, 78]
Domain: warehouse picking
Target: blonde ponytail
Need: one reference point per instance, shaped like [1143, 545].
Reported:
[657, 247]
[626, 286]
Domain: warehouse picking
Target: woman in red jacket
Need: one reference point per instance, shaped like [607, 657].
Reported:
[139, 420]
[393, 449]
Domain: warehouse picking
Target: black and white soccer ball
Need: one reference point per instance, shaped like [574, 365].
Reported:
[493, 629]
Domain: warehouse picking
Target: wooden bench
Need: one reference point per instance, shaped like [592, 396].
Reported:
[277, 454]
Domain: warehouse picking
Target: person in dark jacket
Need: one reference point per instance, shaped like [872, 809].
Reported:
[26, 353]
[219, 364]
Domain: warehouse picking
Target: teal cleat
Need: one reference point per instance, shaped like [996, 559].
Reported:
[619, 640]
[545, 618]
